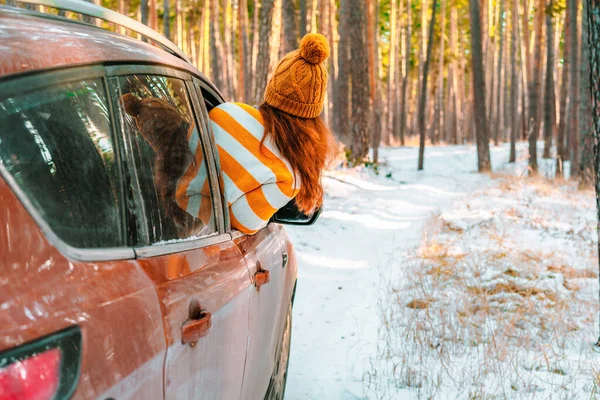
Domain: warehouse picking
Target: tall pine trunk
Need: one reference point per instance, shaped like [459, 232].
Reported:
[423, 95]
[391, 97]
[535, 88]
[498, 107]
[244, 59]
[439, 120]
[549, 100]
[514, 79]
[481, 126]
[593, 25]
[265, 46]
[585, 111]
[216, 48]
[561, 153]
[290, 30]
[342, 104]
[360, 81]
[407, 47]
[167, 19]
[574, 89]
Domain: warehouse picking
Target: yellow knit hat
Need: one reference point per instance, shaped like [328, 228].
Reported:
[299, 82]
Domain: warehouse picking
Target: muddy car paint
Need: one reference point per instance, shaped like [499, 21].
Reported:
[269, 249]
[36, 43]
[213, 279]
[114, 303]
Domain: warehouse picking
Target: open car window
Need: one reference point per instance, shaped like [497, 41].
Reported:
[163, 147]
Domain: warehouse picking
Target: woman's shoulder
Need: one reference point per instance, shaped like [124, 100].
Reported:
[235, 110]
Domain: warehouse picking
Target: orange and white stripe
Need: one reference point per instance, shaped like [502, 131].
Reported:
[193, 189]
[257, 180]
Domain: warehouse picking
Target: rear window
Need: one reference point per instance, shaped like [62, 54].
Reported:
[57, 144]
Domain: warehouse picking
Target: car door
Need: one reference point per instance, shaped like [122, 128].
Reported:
[267, 254]
[66, 270]
[200, 274]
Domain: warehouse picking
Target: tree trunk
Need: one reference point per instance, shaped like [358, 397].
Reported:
[342, 114]
[177, 22]
[391, 97]
[374, 90]
[561, 154]
[244, 77]
[143, 11]
[216, 48]
[333, 60]
[121, 8]
[360, 81]
[439, 121]
[227, 55]
[153, 18]
[255, 37]
[489, 63]
[424, 88]
[167, 20]
[514, 79]
[275, 39]
[290, 36]
[574, 89]
[525, 75]
[585, 112]
[535, 89]
[455, 82]
[407, 48]
[481, 126]
[498, 106]
[593, 24]
[303, 18]
[549, 101]
[265, 46]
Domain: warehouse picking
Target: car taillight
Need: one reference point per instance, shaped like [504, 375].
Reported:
[45, 369]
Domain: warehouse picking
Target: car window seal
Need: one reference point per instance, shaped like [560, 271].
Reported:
[181, 245]
[208, 148]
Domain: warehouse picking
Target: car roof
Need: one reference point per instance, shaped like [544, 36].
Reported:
[34, 41]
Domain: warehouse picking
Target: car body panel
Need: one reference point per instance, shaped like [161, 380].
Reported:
[37, 43]
[42, 292]
[265, 250]
[215, 279]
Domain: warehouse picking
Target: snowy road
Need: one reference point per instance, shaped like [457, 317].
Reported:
[368, 220]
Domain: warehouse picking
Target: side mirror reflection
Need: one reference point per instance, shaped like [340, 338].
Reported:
[290, 215]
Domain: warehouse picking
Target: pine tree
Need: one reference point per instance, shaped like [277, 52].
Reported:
[422, 99]
[481, 126]
[359, 70]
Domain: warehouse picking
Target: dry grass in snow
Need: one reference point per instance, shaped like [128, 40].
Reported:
[500, 301]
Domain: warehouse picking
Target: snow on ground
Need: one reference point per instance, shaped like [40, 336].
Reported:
[370, 232]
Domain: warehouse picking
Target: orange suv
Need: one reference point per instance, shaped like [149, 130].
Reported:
[106, 290]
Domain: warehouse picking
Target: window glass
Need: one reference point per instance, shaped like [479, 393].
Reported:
[57, 145]
[165, 148]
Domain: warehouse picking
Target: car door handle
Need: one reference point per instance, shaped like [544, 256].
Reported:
[194, 329]
[261, 277]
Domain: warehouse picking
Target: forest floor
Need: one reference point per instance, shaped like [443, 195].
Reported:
[447, 283]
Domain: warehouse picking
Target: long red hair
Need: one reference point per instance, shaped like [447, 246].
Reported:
[306, 143]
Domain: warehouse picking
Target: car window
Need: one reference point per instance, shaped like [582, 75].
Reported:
[57, 145]
[165, 149]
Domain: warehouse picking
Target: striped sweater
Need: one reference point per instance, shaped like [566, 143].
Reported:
[257, 181]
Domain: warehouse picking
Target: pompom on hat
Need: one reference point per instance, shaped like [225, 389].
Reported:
[299, 82]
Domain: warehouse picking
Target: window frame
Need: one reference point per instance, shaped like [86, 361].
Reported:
[40, 81]
[198, 112]
[198, 86]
